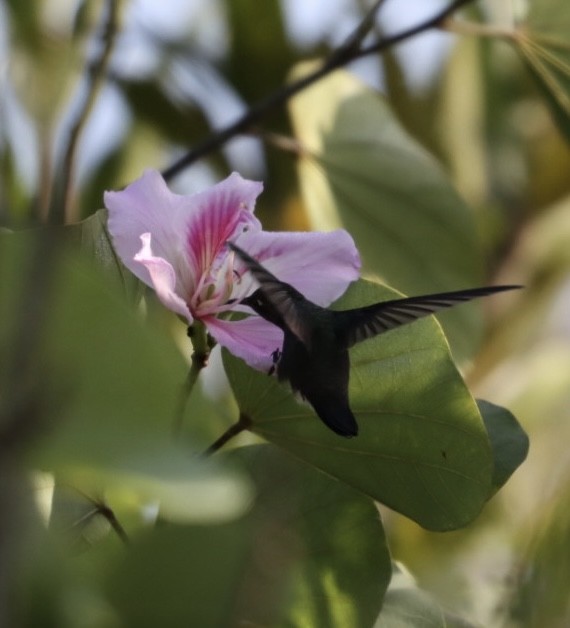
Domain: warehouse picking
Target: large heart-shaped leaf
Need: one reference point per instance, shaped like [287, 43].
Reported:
[359, 169]
[181, 576]
[320, 553]
[422, 447]
[508, 441]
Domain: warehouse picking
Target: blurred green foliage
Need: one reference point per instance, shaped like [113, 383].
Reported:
[106, 520]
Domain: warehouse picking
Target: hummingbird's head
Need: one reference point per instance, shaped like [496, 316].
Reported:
[260, 305]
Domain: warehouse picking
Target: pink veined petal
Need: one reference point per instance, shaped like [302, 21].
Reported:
[251, 339]
[179, 221]
[145, 206]
[163, 278]
[221, 213]
[319, 265]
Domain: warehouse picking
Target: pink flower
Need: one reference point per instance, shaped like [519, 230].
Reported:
[184, 258]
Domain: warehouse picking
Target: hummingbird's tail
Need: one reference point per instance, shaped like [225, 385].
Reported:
[337, 416]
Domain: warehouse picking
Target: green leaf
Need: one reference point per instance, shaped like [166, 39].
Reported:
[320, 557]
[540, 589]
[181, 576]
[543, 42]
[179, 121]
[422, 447]
[96, 241]
[264, 39]
[359, 169]
[509, 441]
[311, 552]
[103, 390]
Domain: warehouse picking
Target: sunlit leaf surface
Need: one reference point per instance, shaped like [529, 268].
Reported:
[181, 576]
[321, 557]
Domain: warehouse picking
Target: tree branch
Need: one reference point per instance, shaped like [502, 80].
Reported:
[61, 202]
[351, 50]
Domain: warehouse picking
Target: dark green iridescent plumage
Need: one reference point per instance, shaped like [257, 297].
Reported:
[314, 357]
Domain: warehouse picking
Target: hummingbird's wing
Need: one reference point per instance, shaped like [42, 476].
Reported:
[353, 326]
[282, 301]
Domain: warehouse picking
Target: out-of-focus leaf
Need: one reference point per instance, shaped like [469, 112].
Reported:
[96, 242]
[422, 447]
[359, 169]
[105, 175]
[105, 389]
[40, 69]
[407, 606]
[509, 441]
[543, 41]
[181, 576]
[540, 595]
[461, 105]
[26, 22]
[178, 122]
[263, 39]
[320, 557]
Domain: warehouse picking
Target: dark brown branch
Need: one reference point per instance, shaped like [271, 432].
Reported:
[434, 22]
[62, 197]
[348, 52]
[243, 423]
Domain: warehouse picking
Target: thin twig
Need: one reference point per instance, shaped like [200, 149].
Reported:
[62, 196]
[354, 40]
[434, 22]
[349, 51]
[243, 423]
[101, 508]
[108, 513]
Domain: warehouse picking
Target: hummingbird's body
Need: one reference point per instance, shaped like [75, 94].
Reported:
[314, 356]
[320, 373]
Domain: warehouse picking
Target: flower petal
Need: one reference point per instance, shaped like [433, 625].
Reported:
[220, 213]
[145, 206]
[319, 265]
[177, 221]
[252, 339]
[162, 277]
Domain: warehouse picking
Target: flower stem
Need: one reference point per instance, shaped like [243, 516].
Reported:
[243, 423]
[202, 347]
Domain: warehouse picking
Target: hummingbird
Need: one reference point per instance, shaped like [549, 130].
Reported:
[314, 358]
